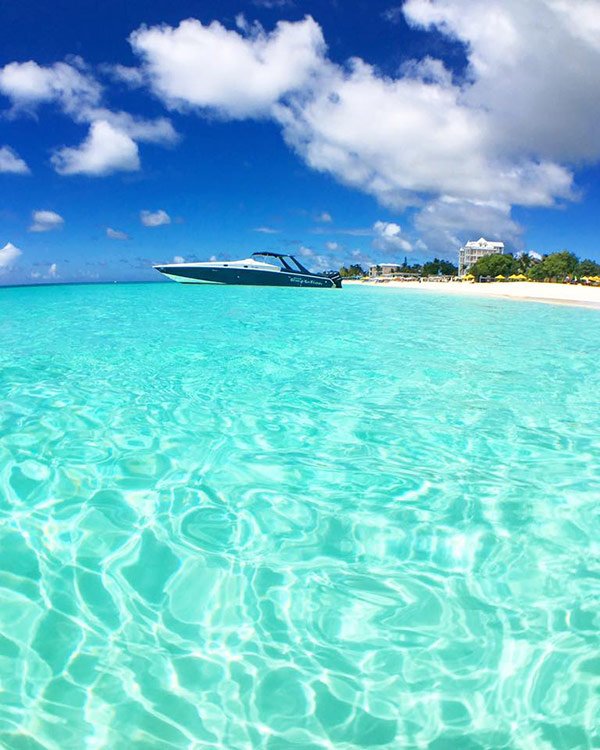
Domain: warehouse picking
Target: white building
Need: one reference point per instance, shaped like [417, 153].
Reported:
[472, 251]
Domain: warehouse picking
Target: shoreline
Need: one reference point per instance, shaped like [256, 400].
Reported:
[572, 295]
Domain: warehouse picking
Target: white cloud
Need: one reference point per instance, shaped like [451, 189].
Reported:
[79, 95]
[272, 4]
[350, 231]
[51, 273]
[154, 218]
[509, 131]
[325, 217]
[178, 259]
[29, 84]
[393, 14]
[449, 222]
[116, 234]
[581, 17]
[427, 70]
[105, 150]
[45, 221]
[388, 156]
[11, 162]
[8, 254]
[538, 101]
[159, 131]
[333, 246]
[463, 148]
[388, 237]
[267, 230]
[236, 74]
[133, 77]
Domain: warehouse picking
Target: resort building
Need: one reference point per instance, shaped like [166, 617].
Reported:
[475, 249]
[383, 269]
[388, 269]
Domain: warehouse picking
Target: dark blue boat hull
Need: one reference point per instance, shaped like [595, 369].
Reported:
[247, 277]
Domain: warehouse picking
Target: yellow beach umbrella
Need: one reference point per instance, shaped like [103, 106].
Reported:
[514, 276]
[500, 277]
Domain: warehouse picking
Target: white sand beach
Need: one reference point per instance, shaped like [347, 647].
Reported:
[562, 294]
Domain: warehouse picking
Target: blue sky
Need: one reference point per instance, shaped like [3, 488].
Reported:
[134, 132]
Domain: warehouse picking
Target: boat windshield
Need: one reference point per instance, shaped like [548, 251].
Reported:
[287, 262]
[266, 259]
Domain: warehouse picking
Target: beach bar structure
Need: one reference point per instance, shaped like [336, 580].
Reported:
[474, 250]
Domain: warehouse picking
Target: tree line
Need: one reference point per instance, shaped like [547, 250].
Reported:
[435, 267]
[560, 266]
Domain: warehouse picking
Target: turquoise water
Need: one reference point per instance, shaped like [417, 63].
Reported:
[271, 518]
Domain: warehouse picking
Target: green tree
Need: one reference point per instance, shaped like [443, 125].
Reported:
[354, 270]
[557, 266]
[494, 265]
[525, 261]
[437, 267]
[587, 268]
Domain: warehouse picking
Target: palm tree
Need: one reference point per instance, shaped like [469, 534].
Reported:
[525, 262]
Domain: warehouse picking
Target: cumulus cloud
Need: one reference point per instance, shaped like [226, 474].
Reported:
[581, 17]
[50, 273]
[29, 84]
[236, 74]
[388, 237]
[133, 77]
[446, 221]
[333, 246]
[159, 131]
[507, 131]
[423, 140]
[463, 149]
[116, 234]
[105, 150]
[72, 87]
[8, 255]
[325, 217]
[154, 218]
[45, 221]
[79, 95]
[267, 230]
[538, 101]
[178, 259]
[10, 162]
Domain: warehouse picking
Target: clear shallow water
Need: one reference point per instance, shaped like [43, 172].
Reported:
[271, 518]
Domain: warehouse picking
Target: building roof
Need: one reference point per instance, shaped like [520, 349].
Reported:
[482, 242]
[387, 263]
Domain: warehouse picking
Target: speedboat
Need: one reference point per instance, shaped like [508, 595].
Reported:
[261, 269]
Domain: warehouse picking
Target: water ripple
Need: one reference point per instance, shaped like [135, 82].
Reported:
[281, 520]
